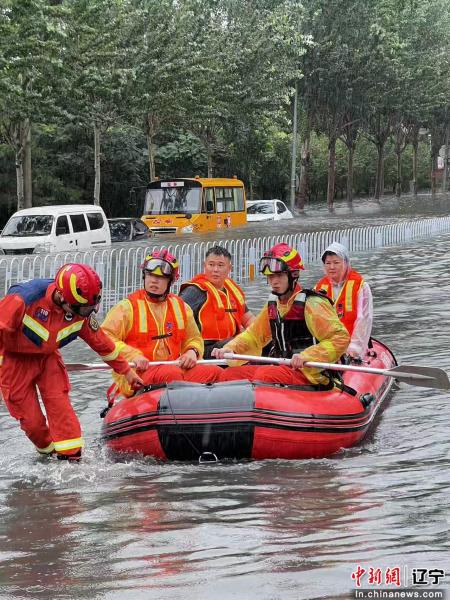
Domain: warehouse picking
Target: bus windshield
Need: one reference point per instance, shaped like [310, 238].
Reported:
[176, 200]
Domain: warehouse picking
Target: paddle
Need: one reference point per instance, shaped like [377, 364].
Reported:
[430, 377]
[103, 366]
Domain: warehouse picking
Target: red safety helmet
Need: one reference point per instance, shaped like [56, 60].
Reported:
[79, 285]
[280, 258]
[162, 263]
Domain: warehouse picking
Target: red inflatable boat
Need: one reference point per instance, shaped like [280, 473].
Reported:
[239, 420]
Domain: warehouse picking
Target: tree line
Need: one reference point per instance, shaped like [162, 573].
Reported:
[97, 97]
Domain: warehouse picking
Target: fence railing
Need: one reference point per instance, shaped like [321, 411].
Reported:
[119, 268]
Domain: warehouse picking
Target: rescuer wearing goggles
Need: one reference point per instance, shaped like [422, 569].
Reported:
[301, 325]
[153, 324]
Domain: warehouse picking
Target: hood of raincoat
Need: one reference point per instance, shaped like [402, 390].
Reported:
[342, 252]
[339, 249]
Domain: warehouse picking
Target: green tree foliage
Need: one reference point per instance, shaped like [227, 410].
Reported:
[99, 64]
[30, 73]
[135, 88]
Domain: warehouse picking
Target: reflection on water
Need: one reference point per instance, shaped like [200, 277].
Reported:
[267, 530]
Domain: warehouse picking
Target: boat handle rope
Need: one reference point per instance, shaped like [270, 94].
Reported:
[186, 437]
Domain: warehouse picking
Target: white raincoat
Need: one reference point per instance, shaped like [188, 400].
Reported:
[363, 324]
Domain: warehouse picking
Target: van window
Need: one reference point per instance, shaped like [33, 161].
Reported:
[62, 225]
[95, 220]
[28, 225]
[78, 223]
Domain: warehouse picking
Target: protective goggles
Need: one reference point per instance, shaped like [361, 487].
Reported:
[157, 266]
[269, 265]
[83, 310]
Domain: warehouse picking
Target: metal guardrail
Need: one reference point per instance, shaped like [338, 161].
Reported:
[120, 272]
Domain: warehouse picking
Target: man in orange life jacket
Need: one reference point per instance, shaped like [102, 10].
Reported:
[153, 324]
[302, 325]
[36, 319]
[217, 302]
[351, 295]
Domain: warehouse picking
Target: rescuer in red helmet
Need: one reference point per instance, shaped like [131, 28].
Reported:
[36, 319]
[152, 324]
[301, 324]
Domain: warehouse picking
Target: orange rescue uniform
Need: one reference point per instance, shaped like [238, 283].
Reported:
[346, 304]
[324, 326]
[220, 316]
[33, 328]
[159, 331]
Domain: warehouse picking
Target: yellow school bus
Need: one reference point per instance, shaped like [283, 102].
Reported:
[185, 205]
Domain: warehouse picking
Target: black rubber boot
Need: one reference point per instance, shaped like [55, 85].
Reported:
[70, 457]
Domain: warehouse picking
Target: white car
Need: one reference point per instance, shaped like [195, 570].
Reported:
[267, 210]
[57, 228]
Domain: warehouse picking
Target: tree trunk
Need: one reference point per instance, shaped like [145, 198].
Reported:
[209, 152]
[446, 155]
[398, 184]
[415, 147]
[351, 151]
[251, 190]
[97, 170]
[27, 176]
[433, 173]
[305, 164]
[16, 134]
[331, 173]
[379, 183]
[20, 180]
[150, 131]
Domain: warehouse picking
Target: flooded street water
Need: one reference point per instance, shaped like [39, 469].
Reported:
[268, 530]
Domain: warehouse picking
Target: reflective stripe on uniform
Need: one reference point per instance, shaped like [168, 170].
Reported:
[215, 293]
[48, 450]
[115, 353]
[348, 295]
[36, 327]
[142, 309]
[69, 444]
[236, 291]
[1, 360]
[175, 302]
[69, 330]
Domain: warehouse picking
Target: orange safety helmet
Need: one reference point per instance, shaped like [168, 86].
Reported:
[79, 285]
[162, 263]
[280, 258]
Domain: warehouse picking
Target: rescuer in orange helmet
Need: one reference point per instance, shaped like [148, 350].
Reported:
[36, 319]
[152, 324]
[301, 324]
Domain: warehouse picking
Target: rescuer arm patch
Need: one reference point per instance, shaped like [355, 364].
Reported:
[93, 323]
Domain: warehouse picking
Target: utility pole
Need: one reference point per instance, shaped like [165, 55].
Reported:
[294, 149]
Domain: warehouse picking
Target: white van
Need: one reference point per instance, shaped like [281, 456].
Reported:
[55, 229]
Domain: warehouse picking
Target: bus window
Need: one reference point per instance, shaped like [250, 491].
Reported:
[225, 200]
[174, 200]
[229, 199]
[209, 201]
[238, 195]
